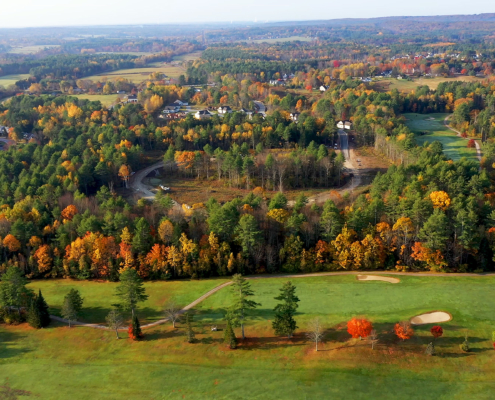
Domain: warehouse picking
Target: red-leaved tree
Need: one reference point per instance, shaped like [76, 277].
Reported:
[436, 331]
[359, 327]
[403, 330]
[471, 144]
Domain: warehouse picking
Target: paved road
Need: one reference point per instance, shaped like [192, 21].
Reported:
[261, 108]
[137, 181]
[291, 276]
[344, 143]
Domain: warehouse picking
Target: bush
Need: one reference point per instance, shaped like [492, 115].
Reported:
[465, 346]
[471, 144]
[12, 317]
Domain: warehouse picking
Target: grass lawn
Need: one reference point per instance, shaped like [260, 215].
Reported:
[89, 363]
[106, 100]
[139, 75]
[454, 146]
[8, 80]
[99, 296]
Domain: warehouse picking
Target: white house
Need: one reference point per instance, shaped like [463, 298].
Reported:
[202, 114]
[344, 125]
[179, 103]
[323, 88]
[224, 110]
[294, 116]
[171, 109]
[132, 99]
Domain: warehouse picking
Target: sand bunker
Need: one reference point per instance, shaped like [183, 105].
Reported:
[377, 278]
[433, 317]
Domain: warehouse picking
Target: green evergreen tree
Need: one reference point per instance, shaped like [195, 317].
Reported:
[135, 332]
[241, 289]
[43, 310]
[33, 317]
[131, 290]
[229, 336]
[190, 336]
[284, 322]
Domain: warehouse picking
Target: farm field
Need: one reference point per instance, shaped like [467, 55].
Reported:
[106, 100]
[139, 75]
[454, 146]
[405, 85]
[31, 49]
[91, 363]
[8, 80]
[132, 53]
[281, 40]
[188, 57]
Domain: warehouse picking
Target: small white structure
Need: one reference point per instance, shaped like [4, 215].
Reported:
[202, 114]
[224, 110]
[323, 88]
[179, 103]
[171, 109]
[344, 124]
[132, 99]
[294, 116]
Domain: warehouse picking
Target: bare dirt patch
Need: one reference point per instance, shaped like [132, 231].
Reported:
[377, 278]
[433, 317]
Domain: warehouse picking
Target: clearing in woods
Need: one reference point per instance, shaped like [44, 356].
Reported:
[138, 75]
[430, 127]
[8, 80]
[404, 85]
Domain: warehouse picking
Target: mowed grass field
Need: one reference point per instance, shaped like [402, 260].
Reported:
[188, 57]
[31, 49]
[106, 100]
[404, 85]
[454, 146]
[84, 363]
[8, 80]
[139, 75]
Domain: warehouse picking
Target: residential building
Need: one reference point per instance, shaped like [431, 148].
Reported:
[203, 114]
[224, 110]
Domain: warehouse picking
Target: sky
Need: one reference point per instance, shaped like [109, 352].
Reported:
[31, 13]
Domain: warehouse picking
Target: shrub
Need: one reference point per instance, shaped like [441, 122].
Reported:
[403, 330]
[430, 349]
[436, 331]
[135, 329]
[471, 144]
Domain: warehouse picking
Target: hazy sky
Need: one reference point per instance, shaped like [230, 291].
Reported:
[22, 13]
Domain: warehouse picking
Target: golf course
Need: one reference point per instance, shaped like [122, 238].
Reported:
[84, 362]
[430, 127]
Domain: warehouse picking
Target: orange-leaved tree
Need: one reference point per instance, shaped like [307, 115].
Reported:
[69, 212]
[403, 330]
[359, 327]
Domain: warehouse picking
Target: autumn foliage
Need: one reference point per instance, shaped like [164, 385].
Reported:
[403, 330]
[359, 328]
[436, 331]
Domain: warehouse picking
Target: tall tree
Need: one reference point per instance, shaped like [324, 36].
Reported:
[229, 336]
[115, 321]
[131, 290]
[72, 305]
[315, 331]
[190, 336]
[241, 290]
[172, 312]
[13, 291]
[284, 322]
[248, 233]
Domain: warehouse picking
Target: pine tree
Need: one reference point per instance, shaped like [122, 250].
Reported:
[284, 323]
[241, 289]
[34, 318]
[134, 330]
[43, 310]
[430, 349]
[190, 337]
[229, 336]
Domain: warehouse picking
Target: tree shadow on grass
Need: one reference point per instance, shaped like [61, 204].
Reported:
[7, 341]
[268, 343]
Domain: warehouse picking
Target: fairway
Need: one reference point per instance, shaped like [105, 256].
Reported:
[138, 75]
[95, 365]
[8, 80]
[454, 146]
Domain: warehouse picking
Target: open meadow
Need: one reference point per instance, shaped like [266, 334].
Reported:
[32, 49]
[90, 363]
[8, 80]
[138, 75]
[404, 85]
[430, 127]
[106, 100]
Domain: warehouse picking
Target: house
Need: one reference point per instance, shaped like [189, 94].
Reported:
[323, 88]
[132, 99]
[203, 114]
[4, 130]
[344, 125]
[294, 116]
[247, 112]
[179, 103]
[171, 109]
[120, 91]
[224, 110]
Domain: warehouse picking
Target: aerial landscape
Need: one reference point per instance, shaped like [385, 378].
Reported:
[236, 202]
